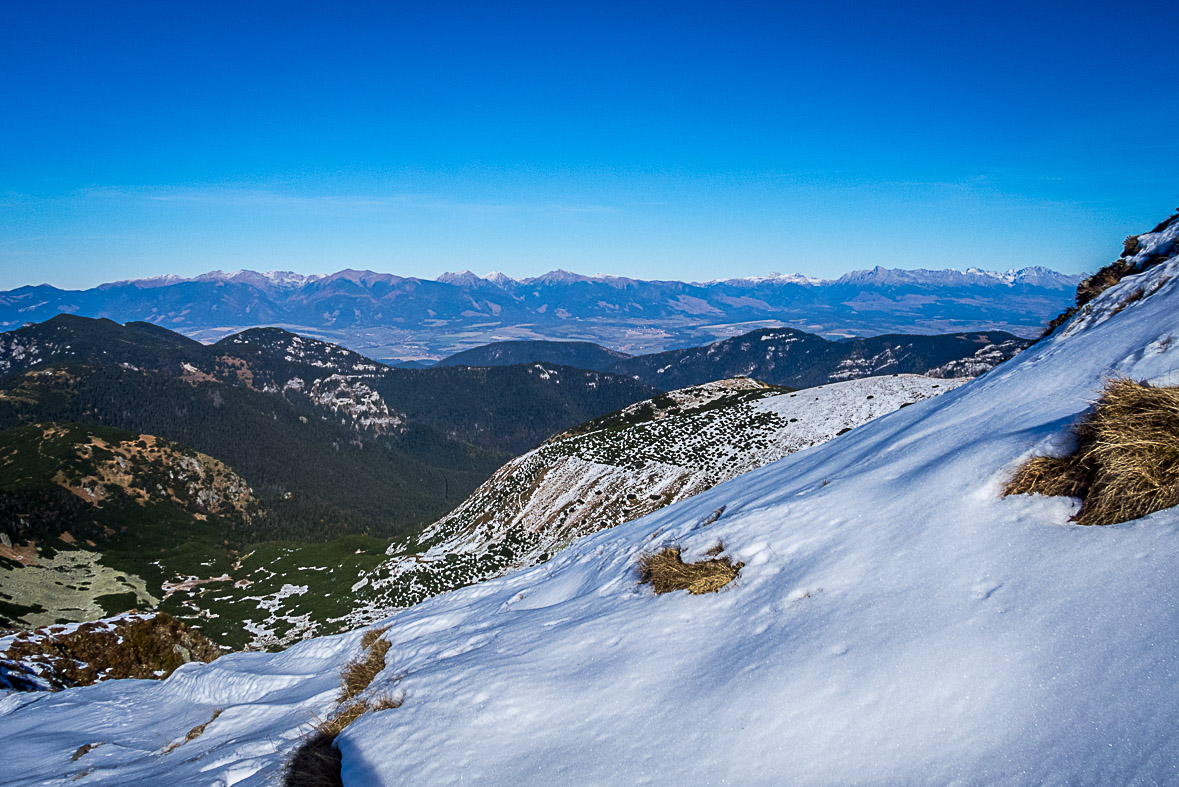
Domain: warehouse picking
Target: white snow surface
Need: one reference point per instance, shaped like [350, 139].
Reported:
[896, 621]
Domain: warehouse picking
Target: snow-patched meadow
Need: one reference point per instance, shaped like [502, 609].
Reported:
[896, 621]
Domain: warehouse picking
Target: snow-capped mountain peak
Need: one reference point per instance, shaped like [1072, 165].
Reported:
[461, 279]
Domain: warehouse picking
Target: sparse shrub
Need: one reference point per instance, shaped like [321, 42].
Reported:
[1126, 464]
[666, 571]
[315, 763]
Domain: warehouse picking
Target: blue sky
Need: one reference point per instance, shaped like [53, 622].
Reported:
[680, 140]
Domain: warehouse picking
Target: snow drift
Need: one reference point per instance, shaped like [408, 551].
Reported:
[896, 621]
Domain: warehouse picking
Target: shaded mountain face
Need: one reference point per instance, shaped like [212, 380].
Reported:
[799, 360]
[779, 357]
[583, 355]
[388, 316]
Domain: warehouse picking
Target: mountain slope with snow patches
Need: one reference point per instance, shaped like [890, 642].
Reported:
[896, 621]
[621, 467]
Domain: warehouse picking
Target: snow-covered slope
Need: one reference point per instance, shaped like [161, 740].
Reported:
[621, 467]
[896, 621]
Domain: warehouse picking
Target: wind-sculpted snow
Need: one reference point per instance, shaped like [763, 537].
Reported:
[896, 621]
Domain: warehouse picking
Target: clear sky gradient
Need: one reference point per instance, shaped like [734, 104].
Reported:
[680, 140]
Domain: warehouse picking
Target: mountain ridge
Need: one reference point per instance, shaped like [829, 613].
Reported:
[386, 316]
[780, 356]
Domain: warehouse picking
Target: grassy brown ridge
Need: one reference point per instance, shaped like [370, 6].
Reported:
[1126, 464]
[1125, 265]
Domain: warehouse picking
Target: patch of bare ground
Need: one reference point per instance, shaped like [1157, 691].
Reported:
[1126, 464]
[136, 646]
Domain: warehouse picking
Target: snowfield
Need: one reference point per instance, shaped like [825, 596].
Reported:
[896, 622]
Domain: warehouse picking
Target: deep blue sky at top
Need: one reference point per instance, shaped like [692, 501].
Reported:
[678, 140]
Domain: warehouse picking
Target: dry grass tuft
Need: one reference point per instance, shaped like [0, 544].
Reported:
[371, 636]
[359, 673]
[196, 731]
[666, 571]
[1048, 475]
[316, 761]
[83, 750]
[351, 711]
[1127, 460]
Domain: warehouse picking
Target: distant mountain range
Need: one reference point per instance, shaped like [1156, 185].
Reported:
[391, 317]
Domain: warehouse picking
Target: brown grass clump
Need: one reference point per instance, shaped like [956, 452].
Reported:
[316, 761]
[360, 672]
[1127, 460]
[666, 571]
[371, 636]
[194, 733]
